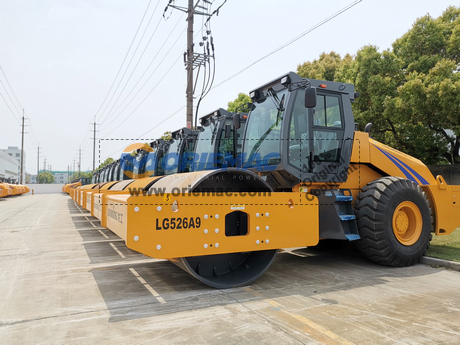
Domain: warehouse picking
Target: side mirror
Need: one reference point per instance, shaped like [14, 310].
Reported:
[236, 121]
[310, 97]
[228, 131]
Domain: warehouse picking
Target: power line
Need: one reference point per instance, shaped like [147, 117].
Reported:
[131, 60]
[86, 134]
[33, 136]
[166, 55]
[146, 83]
[137, 63]
[255, 62]
[124, 59]
[151, 129]
[127, 117]
[145, 71]
[12, 113]
[8, 94]
[346, 8]
[6, 78]
[143, 85]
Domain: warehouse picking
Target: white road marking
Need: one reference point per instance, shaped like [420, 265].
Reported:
[148, 287]
[107, 237]
[116, 249]
[93, 225]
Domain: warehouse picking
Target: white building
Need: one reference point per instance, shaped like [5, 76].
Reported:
[60, 176]
[15, 152]
[9, 166]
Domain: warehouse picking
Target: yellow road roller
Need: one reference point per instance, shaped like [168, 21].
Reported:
[3, 190]
[304, 175]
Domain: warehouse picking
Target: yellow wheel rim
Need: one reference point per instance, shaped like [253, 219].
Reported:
[407, 223]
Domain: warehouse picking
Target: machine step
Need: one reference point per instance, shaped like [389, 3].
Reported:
[343, 198]
[347, 217]
[353, 237]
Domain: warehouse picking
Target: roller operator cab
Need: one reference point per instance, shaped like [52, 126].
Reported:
[203, 148]
[220, 138]
[175, 156]
[289, 142]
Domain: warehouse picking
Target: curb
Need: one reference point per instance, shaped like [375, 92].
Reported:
[455, 266]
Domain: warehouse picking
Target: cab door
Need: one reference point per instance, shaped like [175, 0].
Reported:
[326, 134]
[316, 138]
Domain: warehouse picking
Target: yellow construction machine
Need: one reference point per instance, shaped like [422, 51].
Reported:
[305, 174]
[9, 188]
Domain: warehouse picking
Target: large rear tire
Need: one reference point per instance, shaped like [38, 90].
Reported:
[394, 221]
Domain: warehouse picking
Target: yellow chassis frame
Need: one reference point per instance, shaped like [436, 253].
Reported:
[149, 223]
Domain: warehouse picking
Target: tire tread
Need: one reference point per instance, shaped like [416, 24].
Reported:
[370, 209]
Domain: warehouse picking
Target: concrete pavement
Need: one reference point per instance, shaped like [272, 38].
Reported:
[66, 280]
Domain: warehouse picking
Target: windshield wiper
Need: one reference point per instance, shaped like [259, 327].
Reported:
[274, 97]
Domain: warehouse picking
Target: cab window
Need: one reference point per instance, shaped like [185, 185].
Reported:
[327, 111]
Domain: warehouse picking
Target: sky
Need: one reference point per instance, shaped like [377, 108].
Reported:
[61, 57]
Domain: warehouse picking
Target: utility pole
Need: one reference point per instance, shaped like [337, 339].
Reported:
[22, 149]
[94, 145]
[68, 173]
[44, 165]
[38, 161]
[79, 162]
[190, 64]
[73, 173]
[193, 60]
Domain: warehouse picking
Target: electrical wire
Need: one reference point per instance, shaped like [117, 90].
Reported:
[210, 81]
[124, 59]
[12, 102]
[12, 113]
[146, 69]
[166, 55]
[127, 117]
[130, 76]
[121, 66]
[143, 85]
[6, 79]
[33, 136]
[132, 57]
[346, 8]
[151, 129]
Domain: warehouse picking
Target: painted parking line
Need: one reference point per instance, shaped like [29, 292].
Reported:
[147, 286]
[116, 249]
[321, 329]
[107, 237]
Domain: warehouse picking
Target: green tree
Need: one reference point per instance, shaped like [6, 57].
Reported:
[90, 173]
[429, 41]
[106, 162]
[45, 177]
[166, 136]
[410, 93]
[239, 101]
[325, 68]
[76, 175]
